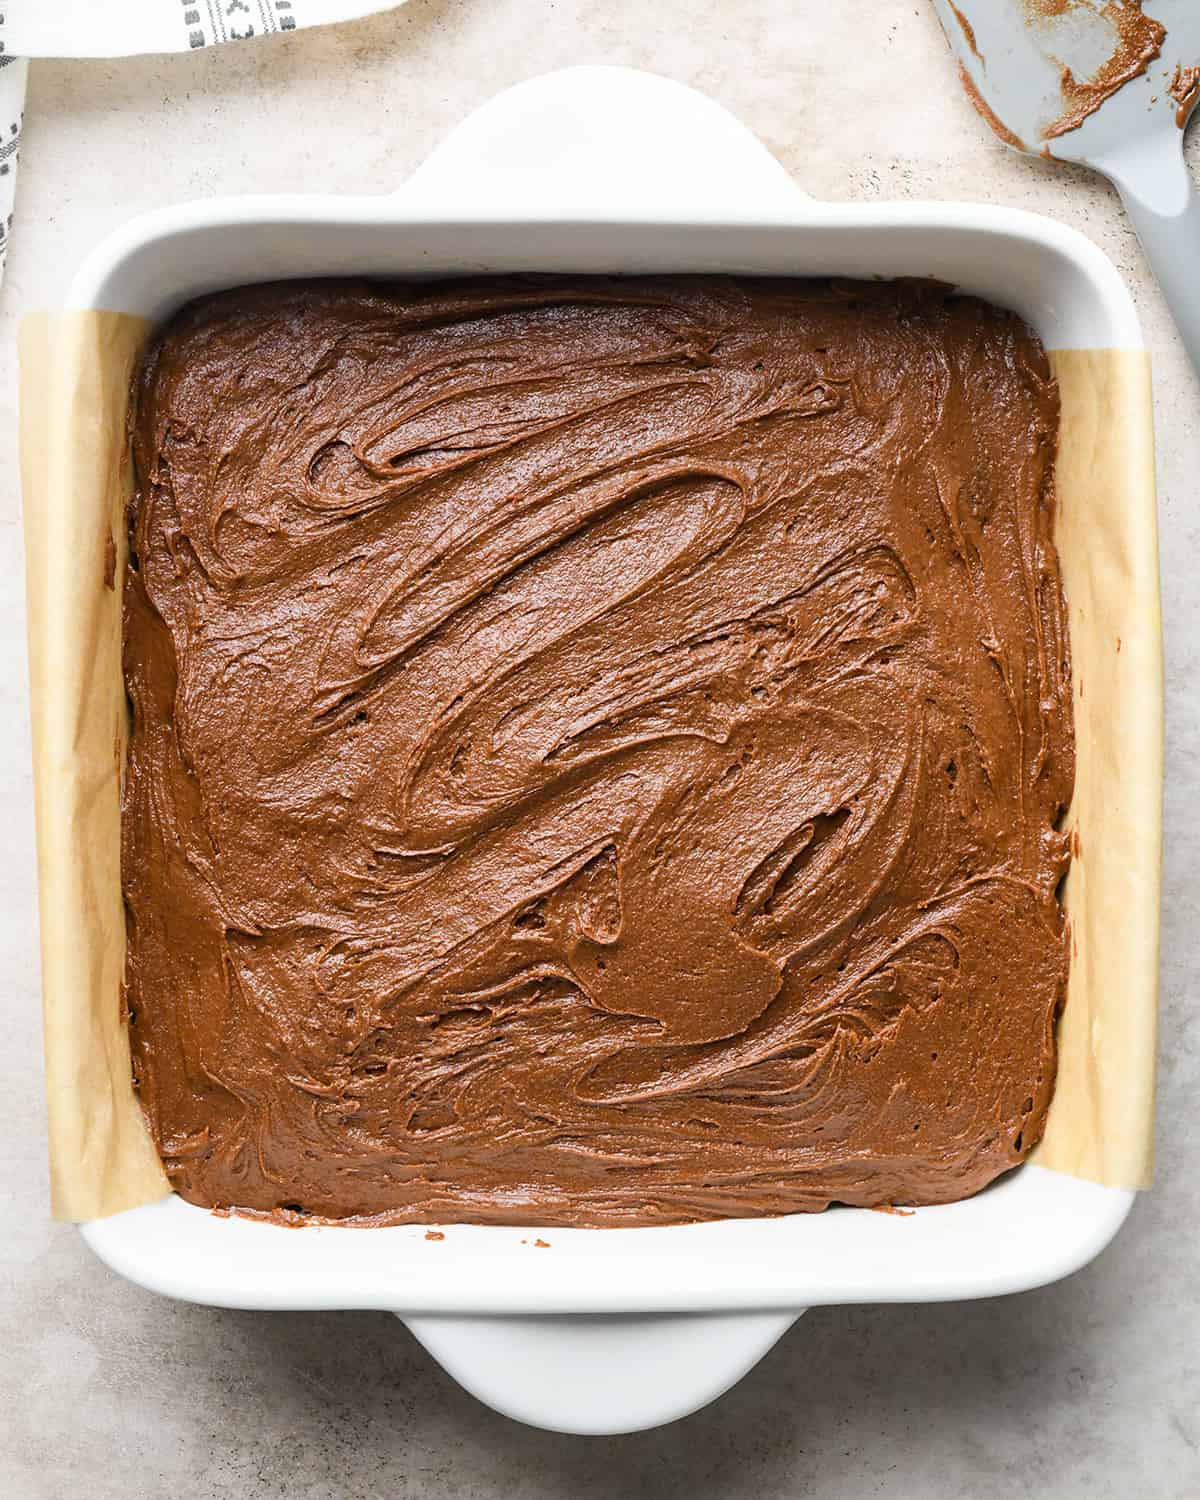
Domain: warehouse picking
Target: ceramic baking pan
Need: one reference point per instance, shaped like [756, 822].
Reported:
[607, 170]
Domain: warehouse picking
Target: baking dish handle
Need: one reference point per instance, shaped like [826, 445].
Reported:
[600, 1375]
[601, 143]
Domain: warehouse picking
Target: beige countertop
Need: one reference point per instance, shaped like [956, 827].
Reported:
[1088, 1389]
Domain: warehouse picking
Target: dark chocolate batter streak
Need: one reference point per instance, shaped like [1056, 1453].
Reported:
[596, 748]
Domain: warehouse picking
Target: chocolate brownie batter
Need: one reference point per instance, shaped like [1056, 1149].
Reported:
[1185, 90]
[1137, 41]
[596, 750]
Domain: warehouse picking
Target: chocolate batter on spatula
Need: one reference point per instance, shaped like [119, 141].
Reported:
[597, 748]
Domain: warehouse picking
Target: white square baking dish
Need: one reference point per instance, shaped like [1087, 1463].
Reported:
[608, 170]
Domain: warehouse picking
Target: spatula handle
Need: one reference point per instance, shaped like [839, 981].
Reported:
[1163, 204]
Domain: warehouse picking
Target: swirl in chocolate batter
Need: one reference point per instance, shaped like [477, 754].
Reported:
[596, 748]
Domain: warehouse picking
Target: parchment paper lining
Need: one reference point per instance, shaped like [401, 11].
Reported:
[1101, 1121]
[75, 370]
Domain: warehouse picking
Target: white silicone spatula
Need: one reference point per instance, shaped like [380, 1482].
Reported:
[1013, 52]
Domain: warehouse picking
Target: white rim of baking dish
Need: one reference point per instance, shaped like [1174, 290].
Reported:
[605, 169]
[609, 169]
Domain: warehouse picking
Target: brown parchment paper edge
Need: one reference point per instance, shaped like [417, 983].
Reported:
[1101, 1121]
[75, 371]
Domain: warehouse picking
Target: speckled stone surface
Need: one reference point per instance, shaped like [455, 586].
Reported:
[1087, 1389]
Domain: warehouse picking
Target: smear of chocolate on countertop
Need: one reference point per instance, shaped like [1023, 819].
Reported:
[597, 748]
[1185, 90]
[542, 1244]
[993, 120]
[110, 562]
[1139, 40]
